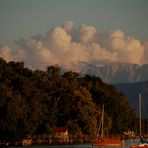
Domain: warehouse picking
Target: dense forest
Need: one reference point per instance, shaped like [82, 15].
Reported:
[34, 102]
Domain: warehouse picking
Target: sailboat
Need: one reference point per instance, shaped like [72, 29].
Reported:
[106, 141]
[142, 143]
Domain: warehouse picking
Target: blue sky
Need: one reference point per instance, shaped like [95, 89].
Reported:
[24, 18]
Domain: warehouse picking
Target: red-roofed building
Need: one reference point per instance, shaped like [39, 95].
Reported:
[61, 134]
[60, 129]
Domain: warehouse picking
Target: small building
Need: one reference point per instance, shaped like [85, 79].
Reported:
[26, 142]
[61, 135]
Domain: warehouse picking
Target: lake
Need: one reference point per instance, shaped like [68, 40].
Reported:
[70, 146]
[128, 142]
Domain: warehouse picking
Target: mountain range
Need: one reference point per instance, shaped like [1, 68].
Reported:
[131, 79]
[114, 72]
[132, 91]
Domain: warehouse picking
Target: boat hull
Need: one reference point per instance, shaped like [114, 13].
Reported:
[108, 141]
[137, 146]
[107, 144]
[140, 145]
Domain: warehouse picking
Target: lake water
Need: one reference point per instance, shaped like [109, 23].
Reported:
[71, 146]
[128, 142]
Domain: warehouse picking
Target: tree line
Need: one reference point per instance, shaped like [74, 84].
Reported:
[34, 102]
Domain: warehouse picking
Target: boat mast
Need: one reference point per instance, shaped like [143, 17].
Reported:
[102, 134]
[140, 114]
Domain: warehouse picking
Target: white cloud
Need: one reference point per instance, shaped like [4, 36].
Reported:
[68, 26]
[87, 34]
[145, 55]
[65, 45]
[5, 52]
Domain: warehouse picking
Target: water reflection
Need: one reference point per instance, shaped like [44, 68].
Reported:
[72, 146]
[128, 143]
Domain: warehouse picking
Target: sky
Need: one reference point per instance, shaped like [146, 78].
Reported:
[37, 28]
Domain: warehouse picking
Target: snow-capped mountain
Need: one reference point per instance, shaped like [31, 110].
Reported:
[114, 72]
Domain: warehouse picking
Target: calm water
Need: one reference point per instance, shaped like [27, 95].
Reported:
[70, 146]
[129, 142]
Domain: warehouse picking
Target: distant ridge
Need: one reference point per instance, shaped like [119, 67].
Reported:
[131, 91]
[114, 72]
[131, 79]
